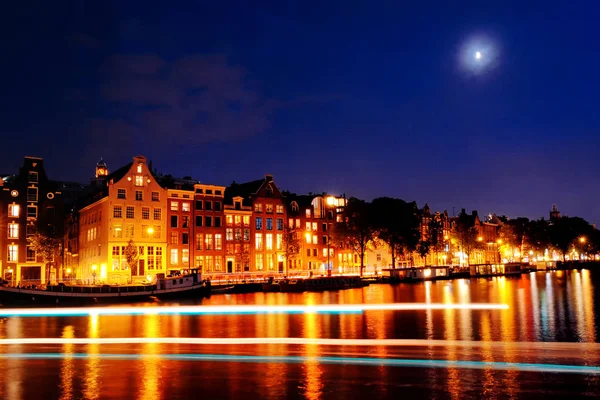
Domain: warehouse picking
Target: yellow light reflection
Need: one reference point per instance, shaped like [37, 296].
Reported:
[313, 385]
[67, 368]
[151, 372]
[91, 389]
[14, 367]
[454, 379]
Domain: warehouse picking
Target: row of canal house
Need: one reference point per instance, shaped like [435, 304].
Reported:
[178, 224]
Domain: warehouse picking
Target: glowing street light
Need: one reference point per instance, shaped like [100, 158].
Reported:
[478, 55]
[150, 231]
[479, 239]
[582, 239]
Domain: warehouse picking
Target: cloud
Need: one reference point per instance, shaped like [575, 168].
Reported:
[190, 100]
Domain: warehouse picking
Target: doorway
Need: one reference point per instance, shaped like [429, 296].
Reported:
[229, 266]
[280, 267]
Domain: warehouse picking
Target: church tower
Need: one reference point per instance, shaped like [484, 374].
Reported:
[101, 169]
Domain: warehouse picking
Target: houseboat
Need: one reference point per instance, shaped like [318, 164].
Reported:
[416, 274]
[477, 270]
[318, 284]
[165, 287]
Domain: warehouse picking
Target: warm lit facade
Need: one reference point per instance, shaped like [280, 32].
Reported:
[313, 218]
[130, 205]
[29, 202]
[239, 252]
[209, 228]
[180, 204]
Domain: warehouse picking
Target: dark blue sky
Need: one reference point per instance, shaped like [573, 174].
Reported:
[363, 98]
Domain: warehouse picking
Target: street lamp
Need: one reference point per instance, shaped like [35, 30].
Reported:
[582, 239]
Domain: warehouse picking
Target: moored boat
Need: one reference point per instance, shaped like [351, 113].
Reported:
[477, 270]
[169, 287]
[321, 283]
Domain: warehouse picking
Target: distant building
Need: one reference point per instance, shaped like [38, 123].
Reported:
[554, 213]
[29, 202]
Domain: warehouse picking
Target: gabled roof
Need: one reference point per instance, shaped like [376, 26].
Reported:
[118, 174]
[245, 190]
[303, 200]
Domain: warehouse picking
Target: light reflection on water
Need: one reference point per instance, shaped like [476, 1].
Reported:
[545, 306]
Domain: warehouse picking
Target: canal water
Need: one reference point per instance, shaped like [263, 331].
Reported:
[542, 346]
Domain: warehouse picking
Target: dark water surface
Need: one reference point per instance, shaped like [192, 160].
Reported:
[545, 307]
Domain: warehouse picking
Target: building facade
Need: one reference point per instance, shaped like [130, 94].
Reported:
[29, 203]
[127, 214]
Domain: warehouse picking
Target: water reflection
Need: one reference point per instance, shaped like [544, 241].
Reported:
[67, 365]
[91, 387]
[553, 306]
[150, 373]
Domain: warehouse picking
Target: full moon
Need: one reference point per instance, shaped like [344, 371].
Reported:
[478, 55]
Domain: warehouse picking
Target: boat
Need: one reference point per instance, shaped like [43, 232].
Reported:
[428, 273]
[271, 286]
[477, 270]
[321, 283]
[222, 289]
[166, 287]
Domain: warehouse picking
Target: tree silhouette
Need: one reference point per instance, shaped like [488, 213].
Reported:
[45, 246]
[356, 228]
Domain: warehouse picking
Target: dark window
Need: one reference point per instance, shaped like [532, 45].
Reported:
[218, 192]
[208, 222]
[324, 227]
[198, 204]
[208, 205]
[217, 222]
[315, 252]
[185, 239]
[173, 221]
[198, 220]
[121, 193]
[185, 221]
[217, 206]
[208, 191]
[324, 239]
[139, 195]
[307, 252]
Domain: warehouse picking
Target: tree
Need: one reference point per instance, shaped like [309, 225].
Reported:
[565, 231]
[423, 249]
[46, 247]
[466, 235]
[291, 246]
[436, 235]
[397, 224]
[356, 228]
[242, 256]
[131, 254]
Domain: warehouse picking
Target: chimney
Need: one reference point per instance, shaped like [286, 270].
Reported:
[269, 178]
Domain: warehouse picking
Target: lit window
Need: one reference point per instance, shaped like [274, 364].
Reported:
[185, 256]
[13, 230]
[308, 226]
[269, 241]
[258, 241]
[209, 263]
[258, 207]
[279, 209]
[228, 234]
[117, 212]
[13, 210]
[259, 262]
[130, 212]
[174, 238]
[31, 211]
[117, 232]
[139, 180]
[139, 168]
[174, 256]
[199, 241]
[128, 231]
[298, 223]
[174, 206]
[315, 239]
[208, 242]
[218, 242]
[314, 226]
[32, 194]
[246, 220]
[246, 234]
[31, 255]
[185, 207]
[121, 194]
[307, 213]
[154, 196]
[291, 220]
[270, 208]
[157, 214]
[324, 252]
[33, 176]
[13, 253]
[308, 238]
[238, 233]
[139, 195]
[145, 212]
[279, 242]
[229, 219]
[238, 219]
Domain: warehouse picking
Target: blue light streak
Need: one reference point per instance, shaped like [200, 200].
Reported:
[366, 361]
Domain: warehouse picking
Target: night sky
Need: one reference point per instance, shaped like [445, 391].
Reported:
[364, 98]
